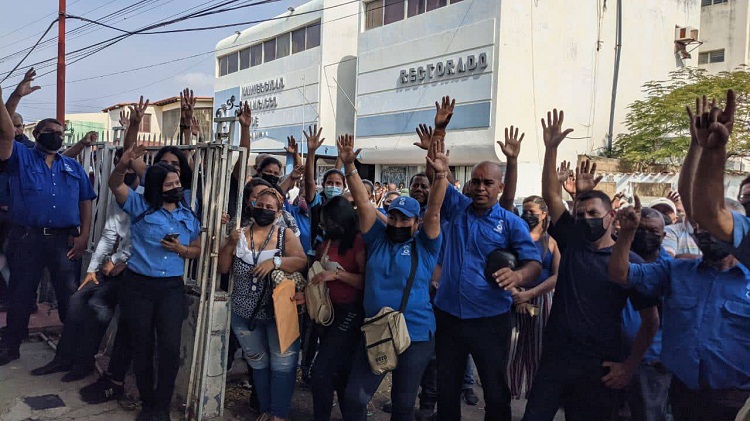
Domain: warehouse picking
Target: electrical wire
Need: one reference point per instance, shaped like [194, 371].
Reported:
[32, 49]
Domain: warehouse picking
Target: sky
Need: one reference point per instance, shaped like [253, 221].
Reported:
[28, 20]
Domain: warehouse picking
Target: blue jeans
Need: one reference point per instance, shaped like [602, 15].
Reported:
[406, 377]
[648, 393]
[274, 373]
[469, 374]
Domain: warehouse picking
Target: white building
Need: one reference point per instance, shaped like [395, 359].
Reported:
[506, 63]
[725, 34]
[295, 70]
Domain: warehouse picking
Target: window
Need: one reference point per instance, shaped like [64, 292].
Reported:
[313, 35]
[145, 126]
[374, 14]
[269, 50]
[393, 11]
[416, 7]
[233, 63]
[223, 65]
[298, 40]
[715, 56]
[434, 4]
[710, 2]
[244, 59]
[256, 55]
[283, 45]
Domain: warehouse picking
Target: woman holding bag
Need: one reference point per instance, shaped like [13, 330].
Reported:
[252, 253]
[398, 252]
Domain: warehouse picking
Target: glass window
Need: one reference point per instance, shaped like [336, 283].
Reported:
[223, 65]
[244, 59]
[313, 35]
[256, 55]
[282, 45]
[416, 7]
[715, 56]
[269, 50]
[394, 11]
[374, 14]
[298, 40]
[434, 4]
[233, 63]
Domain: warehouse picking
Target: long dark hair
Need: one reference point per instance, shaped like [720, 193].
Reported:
[186, 174]
[154, 183]
[339, 211]
[537, 200]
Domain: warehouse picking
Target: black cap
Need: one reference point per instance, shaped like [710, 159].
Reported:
[497, 260]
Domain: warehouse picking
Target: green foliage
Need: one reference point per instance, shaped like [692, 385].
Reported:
[658, 128]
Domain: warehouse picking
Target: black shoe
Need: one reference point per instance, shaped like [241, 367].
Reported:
[79, 372]
[101, 391]
[469, 397]
[425, 414]
[56, 366]
[8, 355]
[387, 407]
[254, 402]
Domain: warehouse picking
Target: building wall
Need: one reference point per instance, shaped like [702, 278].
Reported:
[727, 26]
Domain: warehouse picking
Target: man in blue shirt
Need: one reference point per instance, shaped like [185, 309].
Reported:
[582, 366]
[50, 215]
[706, 338]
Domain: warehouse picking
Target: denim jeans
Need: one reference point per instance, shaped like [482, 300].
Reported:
[468, 374]
[153, 310]
[89, 313]
[647, 394]
[29, 253]
[363, 383]
[274, 373]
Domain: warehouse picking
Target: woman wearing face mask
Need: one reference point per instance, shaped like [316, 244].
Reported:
[163, 234]
[342, 255]
[249, 196]
[252, 253]
[270, 170]
[533, 303]
[390, 249]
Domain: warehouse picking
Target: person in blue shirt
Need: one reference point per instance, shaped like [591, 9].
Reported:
[706, 329]
[163, 234]
[583, 366]
[50, 214]
[389, 260]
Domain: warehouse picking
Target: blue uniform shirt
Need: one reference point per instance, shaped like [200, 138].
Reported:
[303, 223]
[706, 339]
[388, 267]
[43, 196]
[741, 241]
[149, 258]
[470, 238]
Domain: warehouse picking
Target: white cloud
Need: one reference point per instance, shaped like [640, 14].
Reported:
[201, 83]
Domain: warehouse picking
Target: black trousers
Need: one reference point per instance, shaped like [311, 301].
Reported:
[487, 340]
[152, 310]
[705, 404]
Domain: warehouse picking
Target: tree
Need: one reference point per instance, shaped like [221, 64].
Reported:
[658, 131]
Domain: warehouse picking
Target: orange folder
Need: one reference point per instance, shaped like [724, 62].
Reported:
[287, 321]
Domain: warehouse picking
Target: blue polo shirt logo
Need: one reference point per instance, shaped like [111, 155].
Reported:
[406, 251]
[67, 168]
[499, 227]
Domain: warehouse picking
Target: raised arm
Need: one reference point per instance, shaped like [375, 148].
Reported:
[365, 210]
[586, 178]
[116, 183]
[89, 139]
[136, 114]
[619, 264]
[440, 168]
[443, 115]
[7, 132]
[246, 120]
[313, 143]
[187, 105]
[713, 132]
[689, 165]
[511, 148]
[24, 88]
[553, 136]
[293, 178]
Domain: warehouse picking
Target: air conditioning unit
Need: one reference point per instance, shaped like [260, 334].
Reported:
[685, 34]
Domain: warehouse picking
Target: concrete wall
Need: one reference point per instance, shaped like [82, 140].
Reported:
[727, 26]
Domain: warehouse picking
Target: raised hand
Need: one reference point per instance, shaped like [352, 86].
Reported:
[313, 138]
[564, 172]
[24, 88]
[629, 217]
[195, 127]
[711, 126]
[291, 147]
[444, 112]
[345, 144]
[187, 104]
[512, 146]
[618, 200]
[124, 119]
[90, 138]
[297, 172]
[133, 153]
[245, 116]
[439, 162]
[425, 137]
[137, 111]
[553, 133]
[586, 179]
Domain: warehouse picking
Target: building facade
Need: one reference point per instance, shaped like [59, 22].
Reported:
[725, 34]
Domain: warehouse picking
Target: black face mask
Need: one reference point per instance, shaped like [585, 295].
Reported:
[592, 228]
[398, 235]
[746, 205]
[172, 195]
[531, 219]
[645, 243]
[385, 208]
[264, 217]
[274, 180]
[711, 249]
[49, 141]
[130, 179]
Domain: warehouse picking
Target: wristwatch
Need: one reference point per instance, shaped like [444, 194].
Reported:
[277, 262]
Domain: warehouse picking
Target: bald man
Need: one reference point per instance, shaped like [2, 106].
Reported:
[19, 134]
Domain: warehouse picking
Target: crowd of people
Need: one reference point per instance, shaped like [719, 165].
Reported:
[597, 306]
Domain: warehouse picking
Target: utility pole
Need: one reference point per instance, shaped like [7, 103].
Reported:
[61, 63]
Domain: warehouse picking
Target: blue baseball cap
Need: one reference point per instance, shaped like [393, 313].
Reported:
[406, 205]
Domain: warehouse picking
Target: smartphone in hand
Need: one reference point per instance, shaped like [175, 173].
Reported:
[171, 237]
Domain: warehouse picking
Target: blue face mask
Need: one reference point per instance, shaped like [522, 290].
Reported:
[333, 191]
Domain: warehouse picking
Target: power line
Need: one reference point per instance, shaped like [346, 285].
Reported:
[32, 49]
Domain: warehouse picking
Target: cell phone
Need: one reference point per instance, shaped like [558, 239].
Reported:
[171, 237]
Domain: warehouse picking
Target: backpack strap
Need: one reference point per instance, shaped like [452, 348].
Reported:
[412, 274]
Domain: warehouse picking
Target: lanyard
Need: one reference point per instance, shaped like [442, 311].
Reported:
[252, 244]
